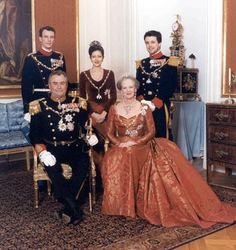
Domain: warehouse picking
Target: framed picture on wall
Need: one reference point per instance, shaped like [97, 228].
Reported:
[187, 88]
[15, 44]
[228, 86]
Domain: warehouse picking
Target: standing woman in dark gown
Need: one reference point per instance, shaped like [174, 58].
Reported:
[97, 86]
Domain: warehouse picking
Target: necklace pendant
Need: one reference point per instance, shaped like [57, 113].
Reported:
[154, 75]
[148, 81]
[59, 105]
[99, 97]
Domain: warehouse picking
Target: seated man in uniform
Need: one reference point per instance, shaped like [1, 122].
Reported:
[56, 132]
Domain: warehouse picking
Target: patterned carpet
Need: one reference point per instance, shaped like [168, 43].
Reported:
[24, 227]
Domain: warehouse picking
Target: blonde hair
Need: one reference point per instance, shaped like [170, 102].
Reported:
[127, 77]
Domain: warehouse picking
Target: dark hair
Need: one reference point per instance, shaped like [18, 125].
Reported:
[94, 46]
[49, 28]
[155, 33]
[126, 77]
[58, 72]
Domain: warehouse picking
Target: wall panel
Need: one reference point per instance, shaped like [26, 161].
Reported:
[62, 15]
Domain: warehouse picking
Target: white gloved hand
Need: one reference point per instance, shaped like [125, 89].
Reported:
[149, 103]
[27, 117]
[92, 140]
[47, 158]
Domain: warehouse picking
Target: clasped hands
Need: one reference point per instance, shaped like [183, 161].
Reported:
[127, 144]
[99, 118]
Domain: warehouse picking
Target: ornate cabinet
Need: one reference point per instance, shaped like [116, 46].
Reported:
[221, 144]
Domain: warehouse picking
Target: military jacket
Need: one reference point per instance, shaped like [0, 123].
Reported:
[57, 124]
[157, 79]
[36, 70]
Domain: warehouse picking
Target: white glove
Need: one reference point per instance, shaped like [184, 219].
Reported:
[47, 158]
[92, 140]
[27, 117]
[149, 103]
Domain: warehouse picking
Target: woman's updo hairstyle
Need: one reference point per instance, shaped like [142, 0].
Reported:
[127, 77]
[95, 45]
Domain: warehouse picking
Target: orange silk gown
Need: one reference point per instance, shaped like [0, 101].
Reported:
[153, 180]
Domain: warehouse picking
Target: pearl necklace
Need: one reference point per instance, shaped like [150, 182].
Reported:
[99, 97]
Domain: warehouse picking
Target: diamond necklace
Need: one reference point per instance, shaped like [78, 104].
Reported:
[99, 97]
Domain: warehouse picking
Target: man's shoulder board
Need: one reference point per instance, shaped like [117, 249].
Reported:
[34, 107]
[138, 63]
[174, 61]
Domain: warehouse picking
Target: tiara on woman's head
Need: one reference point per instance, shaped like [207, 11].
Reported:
[95, 43]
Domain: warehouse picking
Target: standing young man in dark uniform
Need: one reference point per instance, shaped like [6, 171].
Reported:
[55, 132]
[37, 68]
[158, 80]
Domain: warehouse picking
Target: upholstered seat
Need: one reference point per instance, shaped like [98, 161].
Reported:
[12, 139]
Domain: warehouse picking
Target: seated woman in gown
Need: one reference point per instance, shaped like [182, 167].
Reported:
[149, 177]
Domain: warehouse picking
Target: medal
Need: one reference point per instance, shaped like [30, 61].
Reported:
[154, 74]
[99, 97]
[59, 105]
[148, 81]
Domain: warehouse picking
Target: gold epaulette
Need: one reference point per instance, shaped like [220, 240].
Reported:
[138, 63]
[34, 107]
[82, 103]
[174, 61]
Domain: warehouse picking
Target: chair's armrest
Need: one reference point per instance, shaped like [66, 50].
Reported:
[35, 160]
[106, 145]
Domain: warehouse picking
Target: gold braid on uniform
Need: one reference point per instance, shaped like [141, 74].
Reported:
[154, 71]
[45, 66]
[34, 107]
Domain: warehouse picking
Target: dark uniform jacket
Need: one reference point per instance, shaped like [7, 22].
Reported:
[58, 127]
[158, 80]
[36, 70]
[54, 124]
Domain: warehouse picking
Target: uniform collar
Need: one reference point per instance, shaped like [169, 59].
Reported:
[44, 52]
[157, 55]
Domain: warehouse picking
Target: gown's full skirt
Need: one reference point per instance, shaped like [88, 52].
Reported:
[155, 182]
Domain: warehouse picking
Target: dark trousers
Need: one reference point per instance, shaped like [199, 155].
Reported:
[78, 161]
[162, 130]
[159, 117]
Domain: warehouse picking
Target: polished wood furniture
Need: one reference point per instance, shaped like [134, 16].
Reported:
[221, 144]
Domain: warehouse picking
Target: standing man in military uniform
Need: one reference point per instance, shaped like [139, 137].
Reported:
[38, 66]
[56, 132]
[158, 80]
